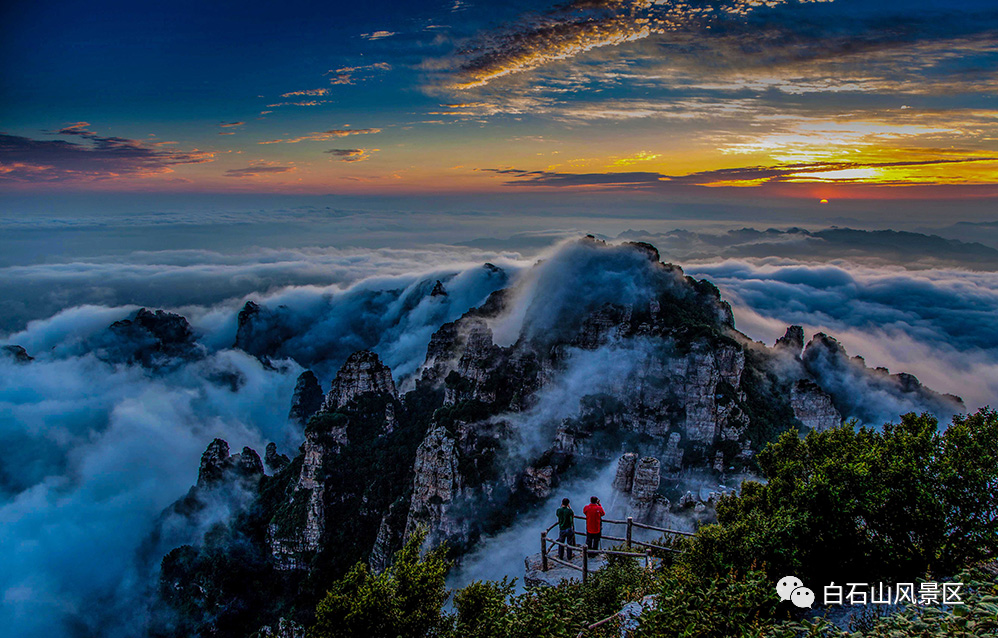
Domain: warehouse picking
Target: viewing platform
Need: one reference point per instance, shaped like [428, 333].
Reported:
[545, 569]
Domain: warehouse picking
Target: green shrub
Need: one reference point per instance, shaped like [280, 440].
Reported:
[482, 609]
[692, 606]
[855, 503]
[404, 601]
[490, 610]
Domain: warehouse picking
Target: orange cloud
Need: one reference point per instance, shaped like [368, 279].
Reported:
[309, 92]
[352, 154]
[324, 136]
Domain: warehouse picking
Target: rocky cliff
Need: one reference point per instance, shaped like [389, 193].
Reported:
[17, 353]
[598, 350]
[850, 384]
[813, 406]
[362, 373]
[151, 339]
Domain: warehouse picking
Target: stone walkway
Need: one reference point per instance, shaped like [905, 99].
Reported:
[534, 577]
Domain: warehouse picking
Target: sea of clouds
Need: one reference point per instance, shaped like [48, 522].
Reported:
[91, 452]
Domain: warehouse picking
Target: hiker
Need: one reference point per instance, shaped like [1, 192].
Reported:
[566, 528]
[594, 522]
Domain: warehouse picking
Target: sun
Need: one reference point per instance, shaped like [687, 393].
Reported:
[824, 201]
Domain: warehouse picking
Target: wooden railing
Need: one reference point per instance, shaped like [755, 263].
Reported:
[548, 545]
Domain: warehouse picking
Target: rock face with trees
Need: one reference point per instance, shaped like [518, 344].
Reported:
[600, 350]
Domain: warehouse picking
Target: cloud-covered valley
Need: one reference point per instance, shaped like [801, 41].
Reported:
[92, 449]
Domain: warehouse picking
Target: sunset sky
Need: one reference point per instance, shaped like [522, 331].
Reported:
[735, 100]
[831, 164]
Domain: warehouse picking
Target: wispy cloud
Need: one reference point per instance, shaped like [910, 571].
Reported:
[96, 158]
[78, 128]
[582, 26]
[258, 169]
[377, 35]
[353, 74]
[640, 156]
[352, 154]
[228, 125]
[324, 136]
[301, 103]
[309, 92]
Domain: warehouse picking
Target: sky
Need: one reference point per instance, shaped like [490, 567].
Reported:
[717, 102]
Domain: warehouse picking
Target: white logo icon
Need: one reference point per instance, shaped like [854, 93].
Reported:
[791, 588]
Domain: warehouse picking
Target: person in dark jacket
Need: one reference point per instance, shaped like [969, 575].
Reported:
[594, 522]
[566, 528]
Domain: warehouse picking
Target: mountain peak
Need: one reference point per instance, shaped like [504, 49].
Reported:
[362, 372]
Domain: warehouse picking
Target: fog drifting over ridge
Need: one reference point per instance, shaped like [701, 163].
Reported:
[91, 452]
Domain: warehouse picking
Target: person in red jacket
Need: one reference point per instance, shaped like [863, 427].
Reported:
[594, 522]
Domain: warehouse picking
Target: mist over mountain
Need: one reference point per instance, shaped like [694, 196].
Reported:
[983, 232]
[206, 259]
[529, 374]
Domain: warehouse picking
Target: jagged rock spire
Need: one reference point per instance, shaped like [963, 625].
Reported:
[214, 463]
[276, 462]
[218, 466]
[792, 340]
[149, 338]
[363, 372]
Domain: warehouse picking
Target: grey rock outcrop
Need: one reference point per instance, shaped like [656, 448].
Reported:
[813, 406]
[152, 339]
[248, 464]
[792, 341]
[362, 373]
[436, 485]
[17, 353]
[624, 477]
[265, 332]
[293, 541]
[850, 384]
[298, 533]
[468, 377]
[215, 463]
[672, 460]
[647, 476]
[380, 556]
[637, 481]
[248, 328]
[219, 467]
[283, 628]
[538, 481]
[706, 417]
[644, 489]
[718, 461]
[275, 462]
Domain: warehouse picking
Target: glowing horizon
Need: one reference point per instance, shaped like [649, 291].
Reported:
[668, 99]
